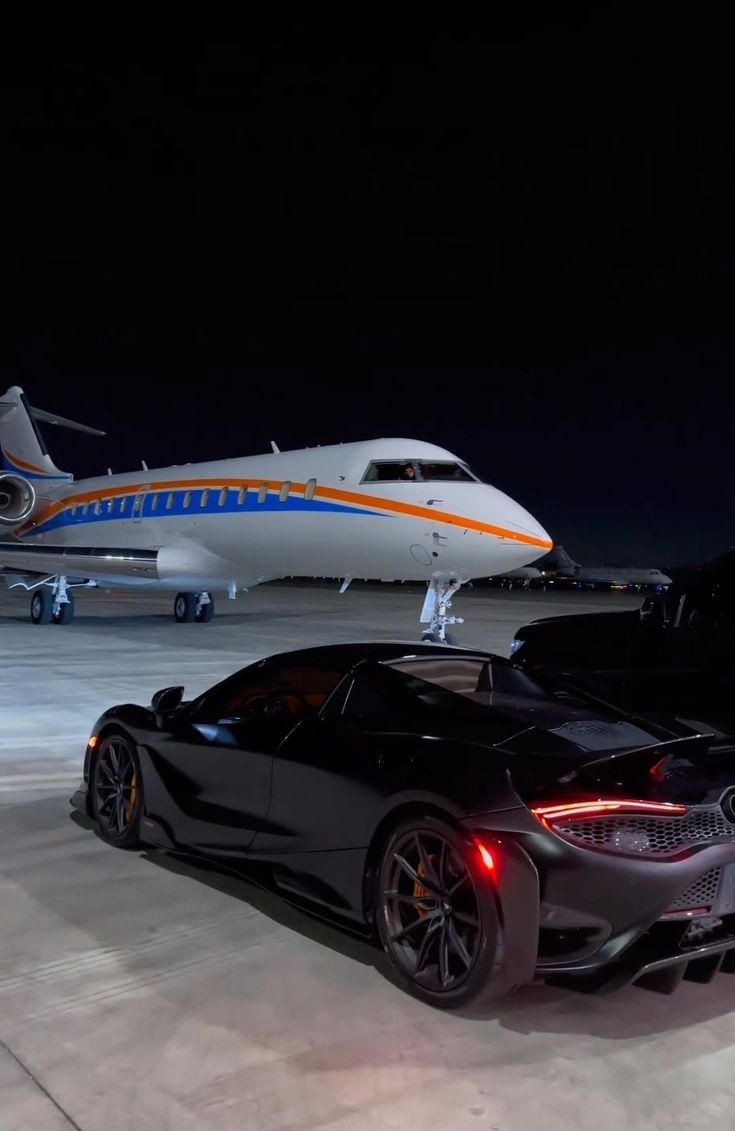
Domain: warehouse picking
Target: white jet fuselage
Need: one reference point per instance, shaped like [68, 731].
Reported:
[301, 513]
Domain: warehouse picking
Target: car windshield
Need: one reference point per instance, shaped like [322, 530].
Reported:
[419, 471]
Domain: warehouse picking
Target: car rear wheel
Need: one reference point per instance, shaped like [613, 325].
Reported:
[117, 800]
[436, 913]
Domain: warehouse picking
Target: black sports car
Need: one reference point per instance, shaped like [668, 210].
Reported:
[491, 828]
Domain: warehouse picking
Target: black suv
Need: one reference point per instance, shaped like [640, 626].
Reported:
[676, 651]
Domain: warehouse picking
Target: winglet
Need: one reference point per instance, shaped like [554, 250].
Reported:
[275, 447]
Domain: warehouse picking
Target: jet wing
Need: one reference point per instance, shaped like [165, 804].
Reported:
[85, 562]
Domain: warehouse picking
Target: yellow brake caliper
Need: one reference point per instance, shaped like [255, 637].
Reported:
[420, 892]
[130, 809]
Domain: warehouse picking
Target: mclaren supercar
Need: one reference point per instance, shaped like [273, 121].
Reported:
[488, 827]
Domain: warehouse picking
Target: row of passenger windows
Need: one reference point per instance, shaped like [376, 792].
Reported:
[165, 502]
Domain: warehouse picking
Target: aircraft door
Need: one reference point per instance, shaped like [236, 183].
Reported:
[138, 505]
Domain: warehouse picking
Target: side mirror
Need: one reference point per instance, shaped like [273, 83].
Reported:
[167, 700]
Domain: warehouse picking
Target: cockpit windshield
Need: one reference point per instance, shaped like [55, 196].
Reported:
[415, 470]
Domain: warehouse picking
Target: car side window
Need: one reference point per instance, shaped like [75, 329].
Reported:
[364, 700]
[295, 689]
[463, 676]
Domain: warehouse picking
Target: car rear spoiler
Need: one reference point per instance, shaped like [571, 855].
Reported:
[646, 763]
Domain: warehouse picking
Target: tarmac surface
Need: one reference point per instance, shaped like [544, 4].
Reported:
[140, 992]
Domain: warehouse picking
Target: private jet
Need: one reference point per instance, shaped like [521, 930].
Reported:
[387, 509]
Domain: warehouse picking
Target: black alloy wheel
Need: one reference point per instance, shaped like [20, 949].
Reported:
[436, 913]
[117, 800]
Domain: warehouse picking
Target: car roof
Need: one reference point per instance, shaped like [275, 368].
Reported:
[349, 655]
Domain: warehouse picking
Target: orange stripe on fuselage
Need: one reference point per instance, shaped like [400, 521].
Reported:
[336, 494]
[413, 511]
[25, 465]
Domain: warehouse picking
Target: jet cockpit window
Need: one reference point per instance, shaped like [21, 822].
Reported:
[408, 470]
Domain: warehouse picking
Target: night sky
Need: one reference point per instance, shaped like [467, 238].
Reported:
[512, 240]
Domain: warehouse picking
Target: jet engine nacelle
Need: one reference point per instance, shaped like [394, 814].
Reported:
[17, 499]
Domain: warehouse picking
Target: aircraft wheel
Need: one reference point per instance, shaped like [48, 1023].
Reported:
[42, 606]
[436, 914]
[65, 614]
[205, 612]
[185, 608]
[434, 638]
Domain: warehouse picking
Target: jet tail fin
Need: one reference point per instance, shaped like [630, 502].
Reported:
[558, 559]
[23, 448]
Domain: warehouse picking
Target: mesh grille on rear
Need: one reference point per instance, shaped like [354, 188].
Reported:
[651, 836]
[702, 893]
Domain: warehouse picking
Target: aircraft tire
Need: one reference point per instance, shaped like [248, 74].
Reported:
[433, 638]
[185, 608]
[65, 614]
[42, 606]
[206, 612]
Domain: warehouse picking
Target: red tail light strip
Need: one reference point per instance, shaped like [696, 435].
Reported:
[573, 810]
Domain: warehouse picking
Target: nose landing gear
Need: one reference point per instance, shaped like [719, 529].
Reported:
[435, 611]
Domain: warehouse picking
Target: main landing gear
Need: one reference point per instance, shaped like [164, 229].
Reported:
[434, 613]
[193, 608]
[52, 603]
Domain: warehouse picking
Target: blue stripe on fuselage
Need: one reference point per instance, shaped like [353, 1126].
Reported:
[10, 466]
[120, 508]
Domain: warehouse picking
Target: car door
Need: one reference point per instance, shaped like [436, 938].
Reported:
[217, 772]
[219, 757]
[332, 775]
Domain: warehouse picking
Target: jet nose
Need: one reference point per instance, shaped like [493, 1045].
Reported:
[520, 521]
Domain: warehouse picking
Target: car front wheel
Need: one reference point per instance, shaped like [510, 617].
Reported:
[436, 914]
[117, 800]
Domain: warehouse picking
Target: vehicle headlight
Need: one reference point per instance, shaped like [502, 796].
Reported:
[515, 645]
